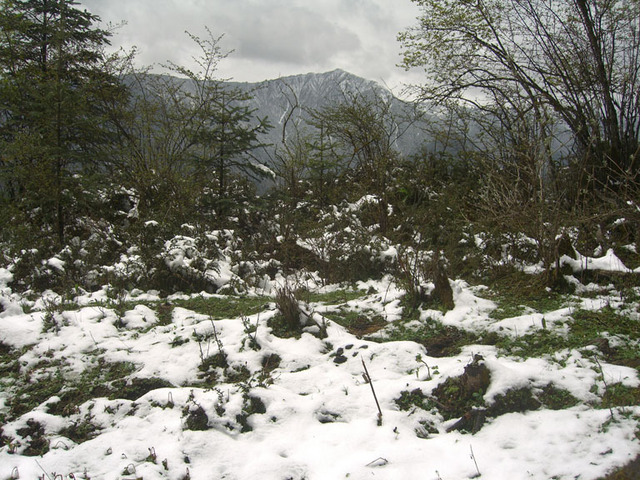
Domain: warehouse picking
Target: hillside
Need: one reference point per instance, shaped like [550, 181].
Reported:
[294, 379]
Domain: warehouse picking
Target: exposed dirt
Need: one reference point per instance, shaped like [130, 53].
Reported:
[630, 472]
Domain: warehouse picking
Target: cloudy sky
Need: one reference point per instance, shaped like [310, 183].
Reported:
[269, 38]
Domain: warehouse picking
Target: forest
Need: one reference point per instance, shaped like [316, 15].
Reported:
[130, 198]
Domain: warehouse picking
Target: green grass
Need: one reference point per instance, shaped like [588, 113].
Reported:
[336, 297]
[409, 400]
[34, 391]
[358, 322]
[556, 398]
[536, 344]
[439, 340]
[517, 292]
[586, 328]
[224, 307]
[513, 306]
[619, 395]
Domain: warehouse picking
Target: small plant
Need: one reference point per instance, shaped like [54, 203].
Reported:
[38, 444]
[210, 363]
[413, 399]
[50, 321]
[251, 405]
[152, 457]
[251, 331]
[410, 276]
[227, 307]
[196, 418]
[81, 431]
[556, 398]
[420, 360]
[287, 322]
[119, 305]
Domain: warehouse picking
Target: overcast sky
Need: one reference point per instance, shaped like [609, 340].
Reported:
[269, 38]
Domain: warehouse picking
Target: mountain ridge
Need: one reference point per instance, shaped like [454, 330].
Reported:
[294, 97]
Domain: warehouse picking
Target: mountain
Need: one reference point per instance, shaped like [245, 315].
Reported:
[289, 102]
[276, 98]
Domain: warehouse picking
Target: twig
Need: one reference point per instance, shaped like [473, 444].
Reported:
[473, 457]
[43, 470]
[215, 336]
[368, 378]
[378, 462]
[606, 387]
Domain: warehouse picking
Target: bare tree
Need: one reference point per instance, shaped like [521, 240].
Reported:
[579, 57]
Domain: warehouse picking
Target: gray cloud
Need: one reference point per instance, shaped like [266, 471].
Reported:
[294, 35]
[269, 38]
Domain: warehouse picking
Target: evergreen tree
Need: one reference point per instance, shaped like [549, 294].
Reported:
[52, 82]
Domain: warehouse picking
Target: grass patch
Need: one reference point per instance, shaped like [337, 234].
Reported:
[512, 306]
[536, 344]
[34, 436]
[97, 381]
[456, 396]
[358, 322]
[588, 325]
[336, 297]
[556, 398]
[439, 340]
[588, 328]
[9, 365]
[619, 395]
[224, 307]
[251, 405]
[137, 387]
[517, 292]
[408, 400]
[81, 431]
[34, 392]
[283, 328]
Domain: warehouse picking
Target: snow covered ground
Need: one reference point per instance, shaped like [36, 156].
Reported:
[287, 408]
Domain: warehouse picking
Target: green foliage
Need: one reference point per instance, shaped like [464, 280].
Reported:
[197, 418]
[334, 297]
[54, 85]
[556, 398]
[619, 395]
[408, 400]
[37, 444]
[102, 379]
[539, 343]
[587, 329]
[31, 392]
[81, 431]
[456, 396]
[9, 365]
[439, 340]
[135, 388]
[359, 322]
[251, 405]
[515, 292]
[220, 307]
[513, 400]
